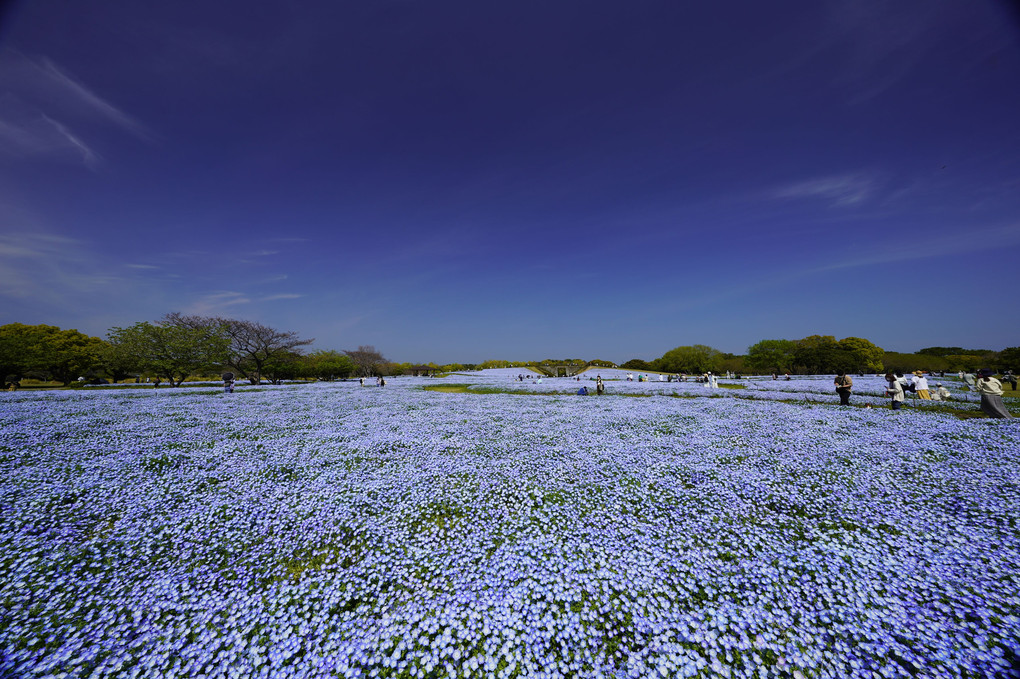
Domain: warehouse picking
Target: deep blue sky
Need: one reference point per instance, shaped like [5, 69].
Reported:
[521, 180]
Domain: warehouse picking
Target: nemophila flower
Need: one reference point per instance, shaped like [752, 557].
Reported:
[327, 530]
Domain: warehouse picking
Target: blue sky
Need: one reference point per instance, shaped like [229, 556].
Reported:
[458, 181]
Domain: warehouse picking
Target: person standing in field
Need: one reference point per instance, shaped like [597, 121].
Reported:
[600, 386]
[991, 395]
[844, 383]
[921, 385]
[904, 383]
[894, 390]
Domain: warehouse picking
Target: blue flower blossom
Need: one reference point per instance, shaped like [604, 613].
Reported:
[326, 530]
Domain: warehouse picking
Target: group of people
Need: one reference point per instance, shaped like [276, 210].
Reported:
[984, 384]
[600, 388]
[899, 385]
[897, 388]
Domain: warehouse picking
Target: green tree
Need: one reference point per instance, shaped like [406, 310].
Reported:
[71, 354]
[733, 363]
[252, 344]
[172, 351]
[46, 352]
[636, 364]
[393, 369]
[856, 354]
[900, 362]
[697, 358]
[772, 356]
[1009, 358]
[328, 365]
[942, 351]
[117, 363]
[21, 349]
[816, 354]
[968, 362]
[282, 366]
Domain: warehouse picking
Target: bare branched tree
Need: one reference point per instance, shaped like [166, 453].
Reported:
[367, 359]
[252, 344]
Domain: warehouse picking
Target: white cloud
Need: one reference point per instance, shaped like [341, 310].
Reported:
[272, 298]
[89, 157]
[70, 88]
[964, 241]
[52, 270]
[841, 190]
[45, 112]
[217, 302]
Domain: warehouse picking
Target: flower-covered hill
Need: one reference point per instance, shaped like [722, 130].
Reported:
[336, 530]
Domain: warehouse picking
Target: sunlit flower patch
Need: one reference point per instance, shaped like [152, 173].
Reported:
[334, 530]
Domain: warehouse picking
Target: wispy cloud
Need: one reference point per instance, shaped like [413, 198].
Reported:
[72, 88]
[34, 246]
[89, 157]
[881, 43]
[45, 112]
[217, 302]
[141, 266]
[50, 270]
[26, 133]
[273, 298]
[964, 241]
[840, 190]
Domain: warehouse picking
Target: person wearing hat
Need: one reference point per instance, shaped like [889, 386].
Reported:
[941, 392]
[895, 390]
[921, 385]
[991, 395]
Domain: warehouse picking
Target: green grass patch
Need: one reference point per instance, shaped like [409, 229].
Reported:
[448, 388]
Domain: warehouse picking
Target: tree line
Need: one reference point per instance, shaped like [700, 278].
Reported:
[179, 346]
[824, 354]
[172, 350]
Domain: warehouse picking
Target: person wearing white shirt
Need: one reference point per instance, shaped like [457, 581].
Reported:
[894, 390]
[921, 386]
[991, 395]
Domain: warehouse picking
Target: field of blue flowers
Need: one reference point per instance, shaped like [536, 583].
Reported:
[332, 530]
